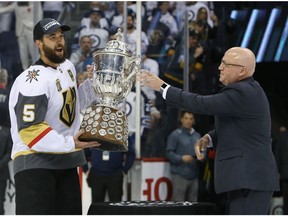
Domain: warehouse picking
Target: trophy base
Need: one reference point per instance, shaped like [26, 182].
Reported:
[106, 125]
[106, 145]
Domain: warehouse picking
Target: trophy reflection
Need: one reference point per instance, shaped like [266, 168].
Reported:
[114, 74]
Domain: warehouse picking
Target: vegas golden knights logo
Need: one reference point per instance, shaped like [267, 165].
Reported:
[67, 114]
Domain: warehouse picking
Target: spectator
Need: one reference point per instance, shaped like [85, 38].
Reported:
[24, 12]
[5, 157]
[203, 13]
[196, 62]
[162, 15]
[132, 5]
[107, 171]
[145, 118]
[108, 8]
[52, 9]
[153, 66]
[5, 19]
[99, 34]
[131, 37]
[150, 6]
[157, 33]
[167, 18]
[4, 98]
[117, 19]
[174, 68]
[192, 8]
[9, 50]
[5, 137]
[97, 6]
[79, 56]
[201, 24]
[183, 161]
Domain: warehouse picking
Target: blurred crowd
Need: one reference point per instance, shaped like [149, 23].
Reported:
[163, 41]
[162, 48]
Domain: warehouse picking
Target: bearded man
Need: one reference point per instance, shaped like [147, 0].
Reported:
[44, 107]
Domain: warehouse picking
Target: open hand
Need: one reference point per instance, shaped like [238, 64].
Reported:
[81, 144]
[147, 78]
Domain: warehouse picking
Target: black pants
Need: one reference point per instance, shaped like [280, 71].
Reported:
[3, 185]
[49, 192]
[113, 184]
[248, 202]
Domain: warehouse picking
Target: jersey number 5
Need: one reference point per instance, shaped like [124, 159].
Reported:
[28, 112]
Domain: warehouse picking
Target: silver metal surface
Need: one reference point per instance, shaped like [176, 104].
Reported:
[115, 68]
[114, 73]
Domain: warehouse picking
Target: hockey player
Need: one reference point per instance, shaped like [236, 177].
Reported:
[45, 109]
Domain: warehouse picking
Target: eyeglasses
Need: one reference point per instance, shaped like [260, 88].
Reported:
[227, 64]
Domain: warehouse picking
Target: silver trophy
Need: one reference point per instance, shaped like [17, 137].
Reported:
[114, 73]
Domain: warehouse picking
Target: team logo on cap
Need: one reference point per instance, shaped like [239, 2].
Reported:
[50, 24]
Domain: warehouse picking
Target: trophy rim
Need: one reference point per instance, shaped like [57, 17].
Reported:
[113, 53]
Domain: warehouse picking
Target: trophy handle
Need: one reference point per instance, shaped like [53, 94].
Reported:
[137, 69]
[131, 75]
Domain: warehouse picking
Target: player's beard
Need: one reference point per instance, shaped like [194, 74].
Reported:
[52, 56]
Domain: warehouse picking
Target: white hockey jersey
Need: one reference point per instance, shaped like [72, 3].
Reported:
[44, 110]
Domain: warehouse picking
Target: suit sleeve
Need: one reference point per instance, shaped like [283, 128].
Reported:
[229, 102]
[213, 137]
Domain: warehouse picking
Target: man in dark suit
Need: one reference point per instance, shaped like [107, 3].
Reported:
[245, 167]
[281, 153]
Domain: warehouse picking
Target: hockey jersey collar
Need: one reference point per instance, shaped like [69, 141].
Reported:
[40, 62]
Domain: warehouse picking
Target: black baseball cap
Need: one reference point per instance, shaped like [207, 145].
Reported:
[47, 26]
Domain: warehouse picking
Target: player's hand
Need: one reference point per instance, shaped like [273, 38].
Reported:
[81, 144]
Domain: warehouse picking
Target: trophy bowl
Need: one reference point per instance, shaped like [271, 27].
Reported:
[114, 72]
